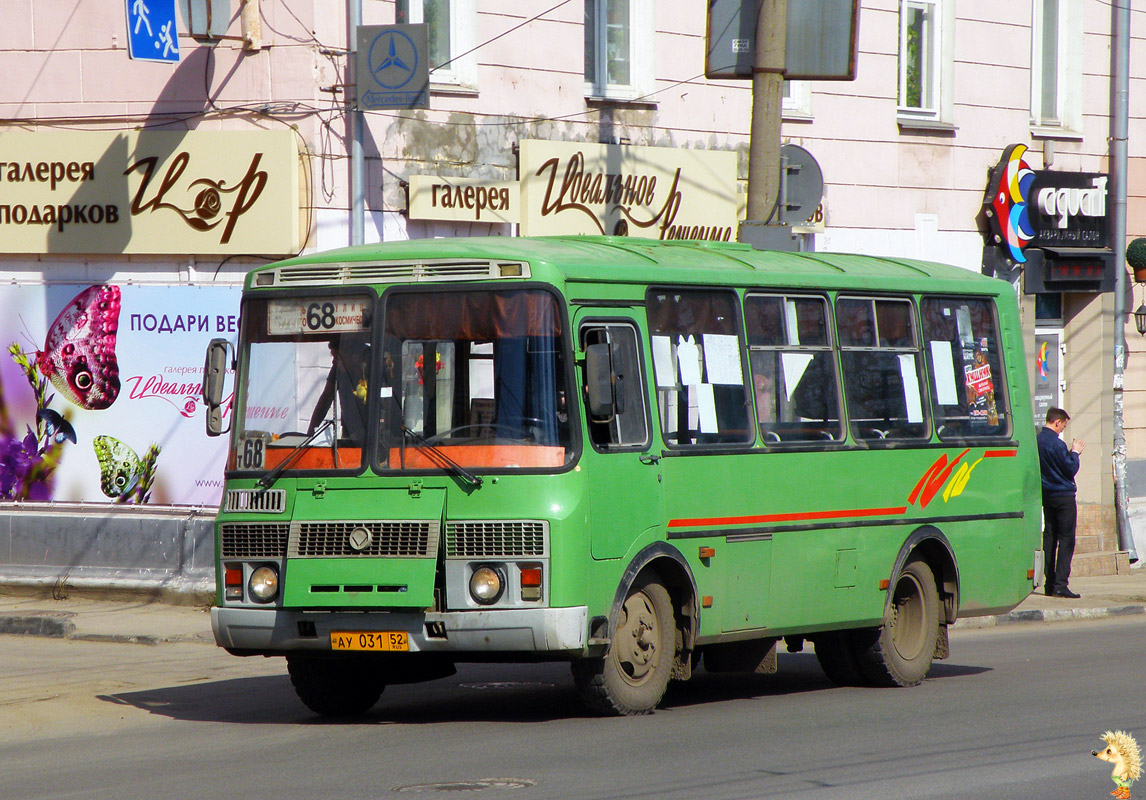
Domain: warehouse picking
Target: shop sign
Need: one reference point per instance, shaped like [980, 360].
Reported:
[201, 192]
[1041, 208]
[464, 199]
[627, 190]
[1052, 224]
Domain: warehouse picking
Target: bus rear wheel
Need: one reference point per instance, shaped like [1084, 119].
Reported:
[335, 687]
[632, 676]
[901, 655]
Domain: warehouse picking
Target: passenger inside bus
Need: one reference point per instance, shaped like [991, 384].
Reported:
[346, 383]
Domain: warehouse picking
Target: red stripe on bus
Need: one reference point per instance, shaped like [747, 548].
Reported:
[791, 517]
[1000, 453]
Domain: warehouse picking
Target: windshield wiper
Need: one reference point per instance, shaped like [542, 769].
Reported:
[269, 479]
[440, 455]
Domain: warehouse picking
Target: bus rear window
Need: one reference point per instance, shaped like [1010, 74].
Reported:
[967, 389]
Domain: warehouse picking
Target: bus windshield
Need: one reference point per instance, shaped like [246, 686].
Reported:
[303, 400]
[475, 377]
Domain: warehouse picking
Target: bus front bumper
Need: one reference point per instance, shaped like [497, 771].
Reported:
[271, 631]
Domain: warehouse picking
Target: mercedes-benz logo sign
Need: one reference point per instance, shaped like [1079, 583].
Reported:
[359, 539]
[393, 60]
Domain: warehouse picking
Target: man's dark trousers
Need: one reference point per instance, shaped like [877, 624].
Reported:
[1060, 514]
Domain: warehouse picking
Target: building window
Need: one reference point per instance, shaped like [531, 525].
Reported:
[618, 49]
[452, 35]
[797, 100]
[918, 56]
[925, 61]
[1056, 45]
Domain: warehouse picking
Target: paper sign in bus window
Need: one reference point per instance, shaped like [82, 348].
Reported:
[722, 359]
[706, 408]
[911, 388]
[795, 365]
[946, 394]
[662, 362]
[791, 322]
[688, 356]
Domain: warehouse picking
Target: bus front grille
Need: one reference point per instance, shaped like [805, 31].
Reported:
[270, 501]
[254, 540]
[365, 538]
[489, 539]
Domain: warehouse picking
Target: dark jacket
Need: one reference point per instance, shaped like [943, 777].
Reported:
[1058, 463]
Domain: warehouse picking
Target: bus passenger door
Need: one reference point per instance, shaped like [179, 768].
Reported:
[625, 491]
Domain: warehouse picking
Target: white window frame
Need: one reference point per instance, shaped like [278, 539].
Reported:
[461, 72]
[796, 102]
[940, 60]
[1068, 71]
[642, 30]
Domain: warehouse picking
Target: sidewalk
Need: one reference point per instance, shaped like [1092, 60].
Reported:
[1103, 596]
[155, 623]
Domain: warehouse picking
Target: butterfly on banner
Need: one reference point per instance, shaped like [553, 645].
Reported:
[57, 429]
[79, 351]
[119, 467]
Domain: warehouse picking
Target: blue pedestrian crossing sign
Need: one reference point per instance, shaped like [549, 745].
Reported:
[151, 31]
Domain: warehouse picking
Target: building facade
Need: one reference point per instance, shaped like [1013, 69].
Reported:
[164, 181]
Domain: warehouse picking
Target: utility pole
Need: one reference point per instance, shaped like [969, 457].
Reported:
[1119, 126]
[767, 97]
[355, 121]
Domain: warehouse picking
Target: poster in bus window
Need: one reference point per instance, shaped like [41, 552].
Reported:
[100, 393]
[979, 385]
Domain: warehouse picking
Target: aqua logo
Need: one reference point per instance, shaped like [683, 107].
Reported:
[1009, 203]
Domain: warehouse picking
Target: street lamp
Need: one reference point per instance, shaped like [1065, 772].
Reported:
[1140, 319]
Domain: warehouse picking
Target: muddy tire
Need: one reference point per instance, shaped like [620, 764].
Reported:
[335, 687]
[902, 652]
[632, 676]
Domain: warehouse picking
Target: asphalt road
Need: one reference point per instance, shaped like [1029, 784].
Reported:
[1015, 712]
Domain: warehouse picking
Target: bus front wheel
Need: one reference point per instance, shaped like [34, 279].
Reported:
[901, 654]
[335, 687]
[632, 676]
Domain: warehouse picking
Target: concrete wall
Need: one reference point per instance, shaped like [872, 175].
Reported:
[167, 552]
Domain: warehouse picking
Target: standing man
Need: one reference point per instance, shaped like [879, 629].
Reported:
[1059, 465]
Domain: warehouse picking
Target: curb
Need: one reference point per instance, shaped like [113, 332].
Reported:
[22, 625]
[1048, 615]
[57, 627]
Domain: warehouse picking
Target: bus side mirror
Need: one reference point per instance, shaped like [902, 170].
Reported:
[599, 383]
[220, 356]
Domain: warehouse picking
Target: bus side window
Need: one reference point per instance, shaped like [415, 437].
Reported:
[698, 360]
[792, 373]
[880, 358]
[628, 427]
[965, 367]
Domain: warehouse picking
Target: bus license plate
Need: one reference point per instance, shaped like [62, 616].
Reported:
[379, 641]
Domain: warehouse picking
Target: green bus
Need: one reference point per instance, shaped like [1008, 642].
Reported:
[639, 457]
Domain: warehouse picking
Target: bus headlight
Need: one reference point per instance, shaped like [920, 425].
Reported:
[486, 585]
[263, 585]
